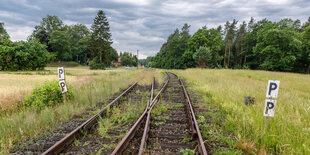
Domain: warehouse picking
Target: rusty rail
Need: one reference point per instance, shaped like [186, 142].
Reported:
[147, 113]
[202, 148]
[67, 140]
[125, 141]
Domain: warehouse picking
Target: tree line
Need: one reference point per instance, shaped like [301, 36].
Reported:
[52, 40]
[263, 44]
[128, 59]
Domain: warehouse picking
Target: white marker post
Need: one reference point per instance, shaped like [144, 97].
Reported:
[270, 104]
[61, 73]
[62, 82]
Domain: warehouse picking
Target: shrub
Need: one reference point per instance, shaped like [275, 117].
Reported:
[47, 94]
[95, 64]
[30, 55]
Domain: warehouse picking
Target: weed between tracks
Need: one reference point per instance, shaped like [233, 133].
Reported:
[120, 116]
[159, 108]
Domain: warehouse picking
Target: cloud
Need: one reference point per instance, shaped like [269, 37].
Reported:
[145, 25]
[133, 2]
[69, 22]
[18, 32]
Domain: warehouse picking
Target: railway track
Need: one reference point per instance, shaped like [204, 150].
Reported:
[94, 140]
[167, 125]
[61, 139]
[172, 130]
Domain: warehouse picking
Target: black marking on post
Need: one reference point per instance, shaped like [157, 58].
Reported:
[272, 88]
[60, 71]
[270, 105]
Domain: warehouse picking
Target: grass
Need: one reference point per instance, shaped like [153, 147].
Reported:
[120, 116]
[187, 151]
[287, 133]
[14, 86]
[22, 124]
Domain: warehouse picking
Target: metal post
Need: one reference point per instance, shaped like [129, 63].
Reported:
[64, 97]
[137, 58]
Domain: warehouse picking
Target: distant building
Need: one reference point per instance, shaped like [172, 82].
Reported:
[117, 63]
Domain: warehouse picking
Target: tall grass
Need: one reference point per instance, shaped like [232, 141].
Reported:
[15, 85]
[287, 133]
[28, 122]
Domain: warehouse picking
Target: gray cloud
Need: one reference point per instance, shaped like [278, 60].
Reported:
[145, 24]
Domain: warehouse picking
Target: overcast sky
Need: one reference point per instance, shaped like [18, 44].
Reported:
[145, 24]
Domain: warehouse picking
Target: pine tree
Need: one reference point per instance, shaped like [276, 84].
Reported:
[226, 40]
[101, 41]
[249, 30]
[240, 43]
[231, 37]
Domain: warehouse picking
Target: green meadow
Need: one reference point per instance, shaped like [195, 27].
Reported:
[288, 132]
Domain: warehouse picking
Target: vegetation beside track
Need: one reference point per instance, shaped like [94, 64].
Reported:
[287, 132]
[24, 123]
[15, 85]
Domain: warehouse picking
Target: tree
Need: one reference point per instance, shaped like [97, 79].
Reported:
[276, 46]
[80, 50]
[231, 38]
[127, 59]
[239, 44]
[303, 61]
[77, 32]
[253, 60]
[46, 27]
[203, 57]
[297, 25]
[171, 53]
[60, 45]
[3, 32]
[30, 55]
[100, 42]
[279, 48]
[113, 55]
[226, 40]
[79, 36]
[306, 24]
[210, 38]
[248, 38]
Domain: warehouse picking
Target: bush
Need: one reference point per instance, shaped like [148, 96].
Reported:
[30, 55]
[95, 64]
[47, 94]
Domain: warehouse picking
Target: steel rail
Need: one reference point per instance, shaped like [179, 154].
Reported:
[192, 121]
[152, 89]
[147, 123]
[162, 89]
[202, 148]
[146, 130]
[69, 138]
[125, 141]
[147, 113]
